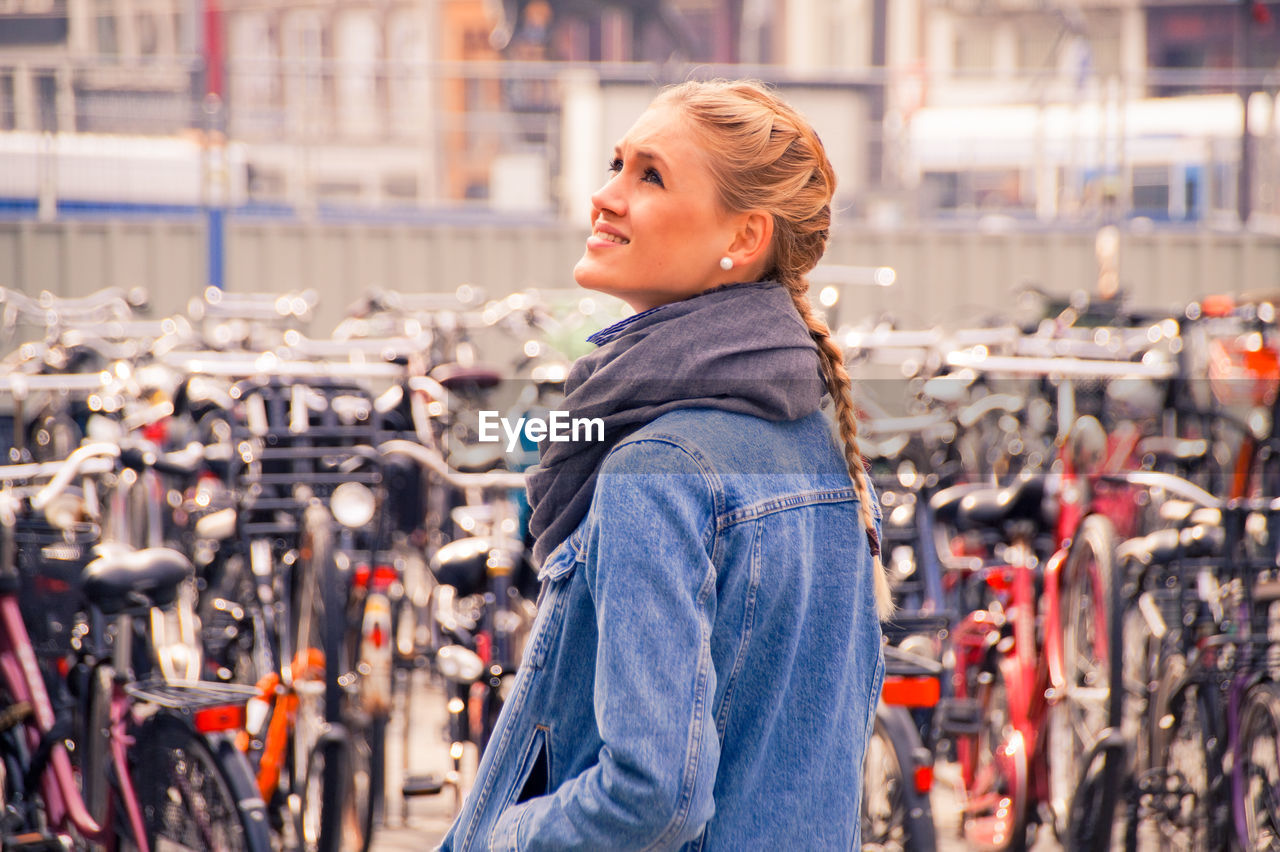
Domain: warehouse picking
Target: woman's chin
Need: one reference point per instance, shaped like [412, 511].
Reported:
[588, 277]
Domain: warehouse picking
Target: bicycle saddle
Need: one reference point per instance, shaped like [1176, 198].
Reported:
[121, 580]
[463, 564]
[992, 507]
[458, 377]
[946, 503]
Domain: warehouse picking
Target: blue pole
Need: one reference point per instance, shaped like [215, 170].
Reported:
[215, 225]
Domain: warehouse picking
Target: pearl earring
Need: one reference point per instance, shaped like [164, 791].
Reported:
[726, 263]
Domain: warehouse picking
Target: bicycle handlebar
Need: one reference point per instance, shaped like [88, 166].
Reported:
[1175, 485]
[238, 365]
[70, 466]
[1062, 366]
[435, 462]
[21, 385]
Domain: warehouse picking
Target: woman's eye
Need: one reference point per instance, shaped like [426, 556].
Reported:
[615, 166]
[651, 175]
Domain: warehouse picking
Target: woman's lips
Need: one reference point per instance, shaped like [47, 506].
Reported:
[605, 235]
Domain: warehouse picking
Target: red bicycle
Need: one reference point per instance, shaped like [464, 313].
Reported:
[1028, 683]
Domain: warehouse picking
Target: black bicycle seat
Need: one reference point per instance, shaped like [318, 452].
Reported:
[463, 564]
[131, 579]
[987, 507]
[458, 377]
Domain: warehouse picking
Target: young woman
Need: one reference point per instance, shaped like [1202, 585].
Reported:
[706, 661]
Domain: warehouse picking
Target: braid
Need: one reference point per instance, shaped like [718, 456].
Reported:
[838, 385]
[770, 158]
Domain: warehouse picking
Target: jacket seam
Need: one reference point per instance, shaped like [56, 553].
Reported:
[516, 702]
[704, 467]
[748, 626]
[694, 743]
[782, 504]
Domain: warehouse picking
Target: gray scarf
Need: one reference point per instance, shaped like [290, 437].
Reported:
[740, 348]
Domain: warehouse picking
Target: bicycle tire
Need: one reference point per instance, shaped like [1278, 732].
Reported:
[995, 814]
[1092, 649]
[332, 774]
[1257, 768]
[188, 794]
[94, 755]
[307, 616]
[20, 810]
[347, 821]
[1182, 811]
[338, 773]
[894, 816]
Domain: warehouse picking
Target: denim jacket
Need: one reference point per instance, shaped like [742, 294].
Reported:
[704, 667]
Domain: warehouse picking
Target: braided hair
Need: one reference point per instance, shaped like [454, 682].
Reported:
[769, 158]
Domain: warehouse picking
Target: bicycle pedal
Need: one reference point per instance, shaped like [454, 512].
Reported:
[32, 841]
[422, 785]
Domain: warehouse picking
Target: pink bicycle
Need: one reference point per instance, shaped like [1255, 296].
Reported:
[97, 746]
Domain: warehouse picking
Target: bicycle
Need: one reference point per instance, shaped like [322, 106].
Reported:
[477, 616]
[152, 763]
[1195, 710]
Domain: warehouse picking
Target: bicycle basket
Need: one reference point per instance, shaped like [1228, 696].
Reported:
[51, 563]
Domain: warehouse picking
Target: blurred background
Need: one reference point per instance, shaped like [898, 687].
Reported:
[422, 144]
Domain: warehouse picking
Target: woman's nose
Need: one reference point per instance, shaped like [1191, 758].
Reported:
[609, 198]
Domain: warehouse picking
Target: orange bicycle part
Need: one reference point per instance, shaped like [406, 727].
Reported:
[308, 664]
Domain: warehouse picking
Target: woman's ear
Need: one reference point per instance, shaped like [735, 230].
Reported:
[752, 239]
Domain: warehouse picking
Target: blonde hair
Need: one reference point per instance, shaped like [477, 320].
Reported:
[767, 157]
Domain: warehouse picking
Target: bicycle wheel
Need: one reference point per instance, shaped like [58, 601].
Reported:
[1257, 767]
[337, 806]
[1091, 617]
[994, 812]
[184, 791]
[1179, 792]
[331, 738]
[895, 818]
[19, 810]
[309, 670]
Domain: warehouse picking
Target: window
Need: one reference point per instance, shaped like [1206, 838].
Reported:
[975, 47]
[408, 88]
[251, 70]
[357, 49]
[400, 187]
[1151, 191]
[107, 31]
[302, 51]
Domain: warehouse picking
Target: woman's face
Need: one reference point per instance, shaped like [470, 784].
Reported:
[657, 229]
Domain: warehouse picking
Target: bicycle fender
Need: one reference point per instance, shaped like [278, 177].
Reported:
[1052, 597]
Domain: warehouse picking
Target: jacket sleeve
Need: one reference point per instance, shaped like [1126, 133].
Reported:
[653, 586]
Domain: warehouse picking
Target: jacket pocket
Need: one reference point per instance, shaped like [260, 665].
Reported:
[536, 767]
[532, 779]
[556, 575]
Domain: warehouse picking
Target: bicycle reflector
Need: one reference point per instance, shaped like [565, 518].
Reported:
[911, 691]
[923, 778]
[227, 717]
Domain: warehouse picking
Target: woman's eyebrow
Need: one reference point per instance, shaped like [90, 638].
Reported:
[642, 154]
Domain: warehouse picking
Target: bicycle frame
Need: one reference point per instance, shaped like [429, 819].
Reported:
[64, 804]
[1001, 640]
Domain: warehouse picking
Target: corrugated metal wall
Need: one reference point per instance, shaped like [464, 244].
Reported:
[944, 275]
